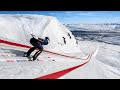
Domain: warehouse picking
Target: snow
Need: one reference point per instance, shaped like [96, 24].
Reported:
[30, 70]
[104, 63]
[19, 27]
[92, 27]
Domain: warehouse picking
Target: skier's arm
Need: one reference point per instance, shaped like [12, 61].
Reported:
[40, 40]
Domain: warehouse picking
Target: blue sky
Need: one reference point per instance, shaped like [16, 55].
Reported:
[76, 16]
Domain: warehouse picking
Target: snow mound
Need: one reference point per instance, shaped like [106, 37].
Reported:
[17, 28]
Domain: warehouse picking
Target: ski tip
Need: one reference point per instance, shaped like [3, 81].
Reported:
[96, 51]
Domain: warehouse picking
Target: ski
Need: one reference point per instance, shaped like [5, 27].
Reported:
[8, 55]
[23, 60]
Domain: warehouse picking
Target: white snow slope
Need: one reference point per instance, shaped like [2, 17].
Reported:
[18, 27]
[104, 64]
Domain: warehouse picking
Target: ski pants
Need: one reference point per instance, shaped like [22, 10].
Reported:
[40, 49]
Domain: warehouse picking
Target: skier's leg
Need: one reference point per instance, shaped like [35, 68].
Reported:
[37, 53]
[30, 51]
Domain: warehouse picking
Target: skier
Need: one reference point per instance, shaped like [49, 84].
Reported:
[37, 43]
[64, 40]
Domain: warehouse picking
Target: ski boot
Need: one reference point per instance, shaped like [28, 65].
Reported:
[25, 54]
[30, 58]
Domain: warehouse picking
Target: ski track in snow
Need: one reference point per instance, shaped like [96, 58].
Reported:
[16, 75]
[97, 68]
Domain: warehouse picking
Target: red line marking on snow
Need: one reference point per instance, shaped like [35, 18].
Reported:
[14, 44]
[10, 60]
[56, 74]
[25, 46]
[61, 73]
[40, 60]
[4, 55]
[62, 55]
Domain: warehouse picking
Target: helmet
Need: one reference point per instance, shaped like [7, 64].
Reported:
[47, 38]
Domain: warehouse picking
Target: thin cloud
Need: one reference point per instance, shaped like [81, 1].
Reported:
[52, 13]
[71, 13]
[66, 18]
[116, 19]
[81, 13]
[88, 14]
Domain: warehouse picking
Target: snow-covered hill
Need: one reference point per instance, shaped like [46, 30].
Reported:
[92, 27]
[75, 59]
[17, 28]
